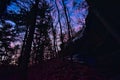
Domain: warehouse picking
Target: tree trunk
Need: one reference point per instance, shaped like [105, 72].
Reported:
[67, 19]
[26, 54]
[54, 38]
[61, 35]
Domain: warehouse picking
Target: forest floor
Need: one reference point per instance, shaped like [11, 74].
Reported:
[54, 69]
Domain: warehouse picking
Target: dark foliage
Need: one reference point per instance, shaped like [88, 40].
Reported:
[7, 35]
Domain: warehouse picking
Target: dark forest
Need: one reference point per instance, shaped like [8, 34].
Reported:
[59, 40]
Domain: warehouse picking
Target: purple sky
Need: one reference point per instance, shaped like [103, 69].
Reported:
[75, 10]
[75, 7]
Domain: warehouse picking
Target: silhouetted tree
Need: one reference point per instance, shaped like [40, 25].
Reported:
[67, 20]
[42, 40]
[25, 55]
[54, 37]
[59, 20]
[7, 35]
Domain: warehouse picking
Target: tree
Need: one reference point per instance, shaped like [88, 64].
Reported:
[67, 20]
[25, 55]
[37, 39]
[7, 35]
[61, 35]
[42, 43]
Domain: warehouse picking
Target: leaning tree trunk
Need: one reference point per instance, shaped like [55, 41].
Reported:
[24, 60]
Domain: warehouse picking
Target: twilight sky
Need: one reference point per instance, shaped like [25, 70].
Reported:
[77, 9]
